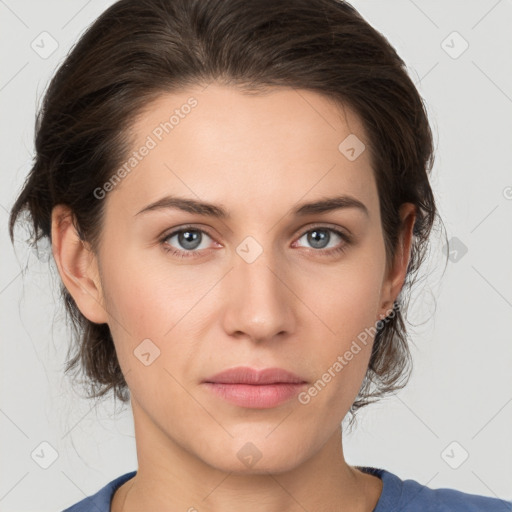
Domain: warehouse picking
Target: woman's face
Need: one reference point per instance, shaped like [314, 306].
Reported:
[262, 286]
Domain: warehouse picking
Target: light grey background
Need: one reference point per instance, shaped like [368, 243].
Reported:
[461, 388]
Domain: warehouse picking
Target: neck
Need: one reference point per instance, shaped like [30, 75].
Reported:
[171, 478]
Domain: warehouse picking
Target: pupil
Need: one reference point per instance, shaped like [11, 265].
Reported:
[318, 234]
[187, 239]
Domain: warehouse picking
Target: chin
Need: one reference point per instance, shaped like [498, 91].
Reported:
[256, 454]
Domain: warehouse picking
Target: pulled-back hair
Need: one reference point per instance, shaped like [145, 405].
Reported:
[139, 49]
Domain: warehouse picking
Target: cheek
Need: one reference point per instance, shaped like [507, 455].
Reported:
[148, 320]
[347, 299]
[143, 297]
[157, 303]
[137, 304]
[347, 304]
[346, 295]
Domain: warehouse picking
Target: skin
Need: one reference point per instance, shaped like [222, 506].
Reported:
[259, 156]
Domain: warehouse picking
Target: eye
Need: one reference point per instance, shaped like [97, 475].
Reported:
[320, 236]
[189, 238]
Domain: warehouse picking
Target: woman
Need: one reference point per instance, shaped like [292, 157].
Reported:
[236, 194]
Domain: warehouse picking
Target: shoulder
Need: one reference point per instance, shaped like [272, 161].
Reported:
[100, 501]
[411, 496]
[449, 500]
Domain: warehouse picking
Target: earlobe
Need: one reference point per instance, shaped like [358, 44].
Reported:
[396, 276]
[77, 266]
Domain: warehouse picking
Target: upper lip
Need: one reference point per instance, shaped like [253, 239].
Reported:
[247, 375]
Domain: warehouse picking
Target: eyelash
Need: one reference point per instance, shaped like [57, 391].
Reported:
[194, 254]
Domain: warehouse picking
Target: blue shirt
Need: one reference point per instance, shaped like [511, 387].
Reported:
[397, 495]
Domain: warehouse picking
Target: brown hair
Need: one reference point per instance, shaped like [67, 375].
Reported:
[138, 49]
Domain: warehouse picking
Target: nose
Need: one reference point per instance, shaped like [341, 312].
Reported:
[260, 302]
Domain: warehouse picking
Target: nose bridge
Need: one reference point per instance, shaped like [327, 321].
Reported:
[259, 301]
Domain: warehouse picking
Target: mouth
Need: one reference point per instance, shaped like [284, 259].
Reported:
[255, 389]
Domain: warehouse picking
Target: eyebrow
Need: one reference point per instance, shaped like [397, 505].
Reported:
[217, 211]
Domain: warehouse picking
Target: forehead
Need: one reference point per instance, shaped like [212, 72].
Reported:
[221, 144]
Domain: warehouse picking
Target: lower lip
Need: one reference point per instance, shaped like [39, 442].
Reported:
[261, 396]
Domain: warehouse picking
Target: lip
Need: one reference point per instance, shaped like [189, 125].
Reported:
[248, 375]
[256, 389]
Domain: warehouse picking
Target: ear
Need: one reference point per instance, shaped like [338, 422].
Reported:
[397, 271]
[77, 265]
